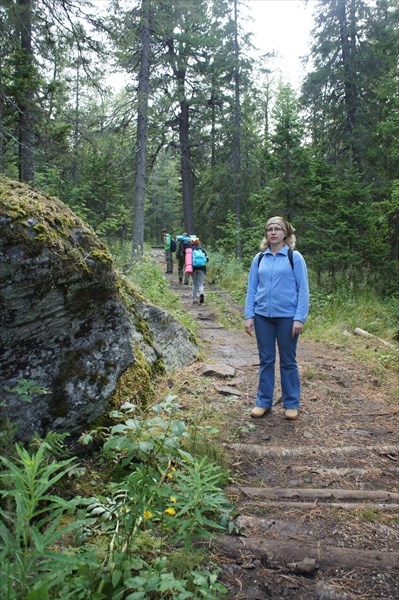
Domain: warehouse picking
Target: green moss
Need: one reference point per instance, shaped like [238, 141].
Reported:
[137, 383]
[35, 222]
[101, 256]
[39, 227]
[130, 297]
[128, 292]
[14, 212]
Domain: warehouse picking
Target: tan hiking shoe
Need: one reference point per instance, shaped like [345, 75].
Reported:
[259, 412]
[291, 414]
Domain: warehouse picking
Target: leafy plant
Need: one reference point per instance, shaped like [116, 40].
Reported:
[201, 506]
[153, 440]
[32, 525]
[25, 388]
[157, 581]
[164, 495]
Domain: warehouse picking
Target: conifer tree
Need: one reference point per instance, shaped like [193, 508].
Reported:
[26, 82]
[142, 132]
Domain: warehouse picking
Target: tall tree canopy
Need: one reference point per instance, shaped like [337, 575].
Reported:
[203, 136]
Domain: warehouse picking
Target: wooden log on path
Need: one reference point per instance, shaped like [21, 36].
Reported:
[379, 506]
[301, 451]
[273, 551]
[345, 471]
[316, 494]
[281, 526]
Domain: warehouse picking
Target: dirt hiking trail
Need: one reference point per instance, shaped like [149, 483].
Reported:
[317, 499]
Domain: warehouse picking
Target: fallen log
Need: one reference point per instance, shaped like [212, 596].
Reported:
[380, 506]
[300, 451]
[273, 551]
[316, 493]
[366, 334]
[287, 525]
[344, 471]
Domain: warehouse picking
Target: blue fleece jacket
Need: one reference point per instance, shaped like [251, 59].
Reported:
[277, 290]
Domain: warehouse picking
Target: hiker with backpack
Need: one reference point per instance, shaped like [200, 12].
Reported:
[276, 308]
[169, 247]
[183, 242]
[199, 260]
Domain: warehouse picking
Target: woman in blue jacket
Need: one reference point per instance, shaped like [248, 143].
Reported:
[276, 308]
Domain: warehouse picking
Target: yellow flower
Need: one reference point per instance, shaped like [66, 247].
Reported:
[170, 511]
[147, 514]
[170, 475]
[172, 499]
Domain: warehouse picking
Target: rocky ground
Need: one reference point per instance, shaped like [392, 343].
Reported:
[317, 498]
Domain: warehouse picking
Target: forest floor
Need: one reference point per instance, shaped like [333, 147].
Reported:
[317, 499]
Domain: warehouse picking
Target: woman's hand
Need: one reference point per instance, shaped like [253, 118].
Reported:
[297, 328]
[249, 326]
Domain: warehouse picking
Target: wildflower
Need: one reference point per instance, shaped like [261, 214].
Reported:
[170, 511]
[172, 499]
[147, 514]
[170, 475]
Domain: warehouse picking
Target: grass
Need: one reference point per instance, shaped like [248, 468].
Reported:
[226, 314]
[312, 373]
[333, 315]
[148, 278]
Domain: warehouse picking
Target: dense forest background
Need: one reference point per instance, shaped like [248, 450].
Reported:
[205, 138]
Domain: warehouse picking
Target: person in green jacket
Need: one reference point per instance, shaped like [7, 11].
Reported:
[167, 240]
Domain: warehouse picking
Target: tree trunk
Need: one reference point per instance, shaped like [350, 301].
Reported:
[142, 134]
[1, 119]
[237, 132]
[186, 174]
[348, 51]
[25, 133]
[76, 130]
[213, 128]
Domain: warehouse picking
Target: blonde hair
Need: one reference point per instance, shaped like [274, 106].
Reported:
[289, 237]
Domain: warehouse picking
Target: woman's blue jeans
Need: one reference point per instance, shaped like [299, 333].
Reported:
[268, 330]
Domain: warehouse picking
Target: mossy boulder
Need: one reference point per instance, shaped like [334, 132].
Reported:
[66, 333]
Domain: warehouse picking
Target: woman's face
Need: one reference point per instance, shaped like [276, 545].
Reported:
[275, 233]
